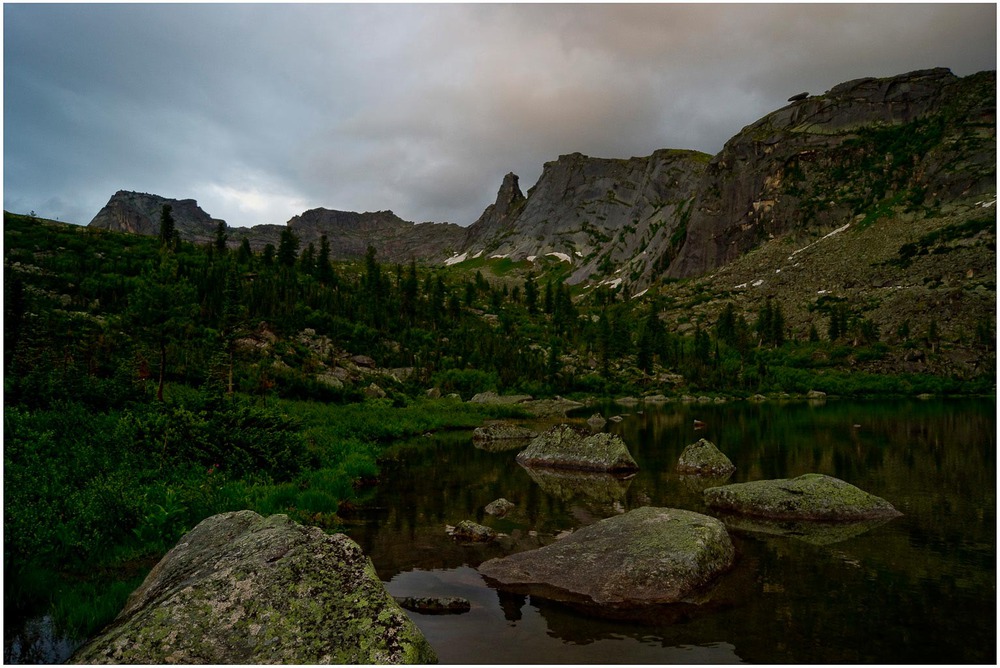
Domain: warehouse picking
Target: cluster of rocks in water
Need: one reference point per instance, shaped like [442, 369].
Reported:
[240, 588]
[655, 556]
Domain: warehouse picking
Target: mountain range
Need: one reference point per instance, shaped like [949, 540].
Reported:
[921, 140]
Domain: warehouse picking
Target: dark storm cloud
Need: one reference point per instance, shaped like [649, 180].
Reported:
[263, 111]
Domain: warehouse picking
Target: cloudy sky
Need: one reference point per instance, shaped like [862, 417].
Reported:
[263, 111]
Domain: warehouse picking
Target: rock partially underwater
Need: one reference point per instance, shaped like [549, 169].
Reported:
[648, 556]
[812, 496]
[243, 589]
[566, 447]
[704, 458]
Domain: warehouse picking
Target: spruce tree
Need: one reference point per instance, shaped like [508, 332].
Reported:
[168, 231]
[220, 237]
[288, 248]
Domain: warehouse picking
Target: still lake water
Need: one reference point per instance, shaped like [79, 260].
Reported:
[918, 589]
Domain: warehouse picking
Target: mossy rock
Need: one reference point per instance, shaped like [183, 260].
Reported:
[565, 447]
[648, 556]
[812, 496]
[241, 588]
[704, 458]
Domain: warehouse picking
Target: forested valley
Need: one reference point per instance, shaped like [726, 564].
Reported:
[150, 383]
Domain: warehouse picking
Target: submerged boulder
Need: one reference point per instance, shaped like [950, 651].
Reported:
[703, 458]
[244, 589]
[566, 447]
[812, 496]
[648, 556]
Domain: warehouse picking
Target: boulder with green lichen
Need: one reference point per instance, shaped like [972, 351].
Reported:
[568, 448]
[241, 588]
[704, 458]
[648, 556]
[812, 496]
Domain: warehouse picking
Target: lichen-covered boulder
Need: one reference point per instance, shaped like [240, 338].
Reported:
[470, 532]
[648, 556]
[566, 447]
[812, 496]
[450, 605]
[498, 508]
[502, 431]
[704, 458]
[241, 588]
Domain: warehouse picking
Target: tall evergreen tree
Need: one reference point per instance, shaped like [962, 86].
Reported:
[288, 248]
[168, 230]
[220, 237]
[324, 269]
[531, 293]
[244, 254]
[162, 305]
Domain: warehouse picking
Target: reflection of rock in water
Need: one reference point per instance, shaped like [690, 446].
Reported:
[697, 484]
[502, 445]
[583, 485]
[511, 604]
[814, 533]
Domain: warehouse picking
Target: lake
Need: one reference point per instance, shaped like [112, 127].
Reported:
[917, 589]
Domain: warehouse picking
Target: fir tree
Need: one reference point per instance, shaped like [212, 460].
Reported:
[288, 248]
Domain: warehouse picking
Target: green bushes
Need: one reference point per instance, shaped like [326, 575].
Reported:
[465, 382]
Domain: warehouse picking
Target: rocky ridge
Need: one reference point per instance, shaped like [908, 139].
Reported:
[854, 154]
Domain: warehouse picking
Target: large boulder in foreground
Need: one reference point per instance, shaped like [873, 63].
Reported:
[566, 447]
[648, 556]
[243, 589]
[812, 496]
[704, 458]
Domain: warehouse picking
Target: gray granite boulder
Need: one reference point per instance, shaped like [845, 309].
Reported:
[648, 556]
[502, 431]
[565, 447]
[241, 588]
[469, 532]
[498, 508]
[812, 496]
[703, 458]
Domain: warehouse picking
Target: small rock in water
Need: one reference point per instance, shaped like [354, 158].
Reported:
[703, 457]
[450, 605]
[499, 508]
[472, 532]
[596, 421]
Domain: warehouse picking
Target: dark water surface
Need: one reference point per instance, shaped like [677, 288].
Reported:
[918, 589]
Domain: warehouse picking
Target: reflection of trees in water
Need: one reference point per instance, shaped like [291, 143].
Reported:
[918, 589]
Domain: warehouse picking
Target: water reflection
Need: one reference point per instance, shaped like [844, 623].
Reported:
[918, 589]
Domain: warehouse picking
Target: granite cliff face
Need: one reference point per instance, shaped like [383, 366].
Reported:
[601, 215]
[921, 137]
[139, 213]
[818, 163]
[349, 235]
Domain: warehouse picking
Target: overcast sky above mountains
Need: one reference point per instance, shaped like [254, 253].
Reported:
[263, 111]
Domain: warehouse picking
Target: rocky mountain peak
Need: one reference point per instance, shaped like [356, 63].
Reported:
[498, 216]
[139, 213]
